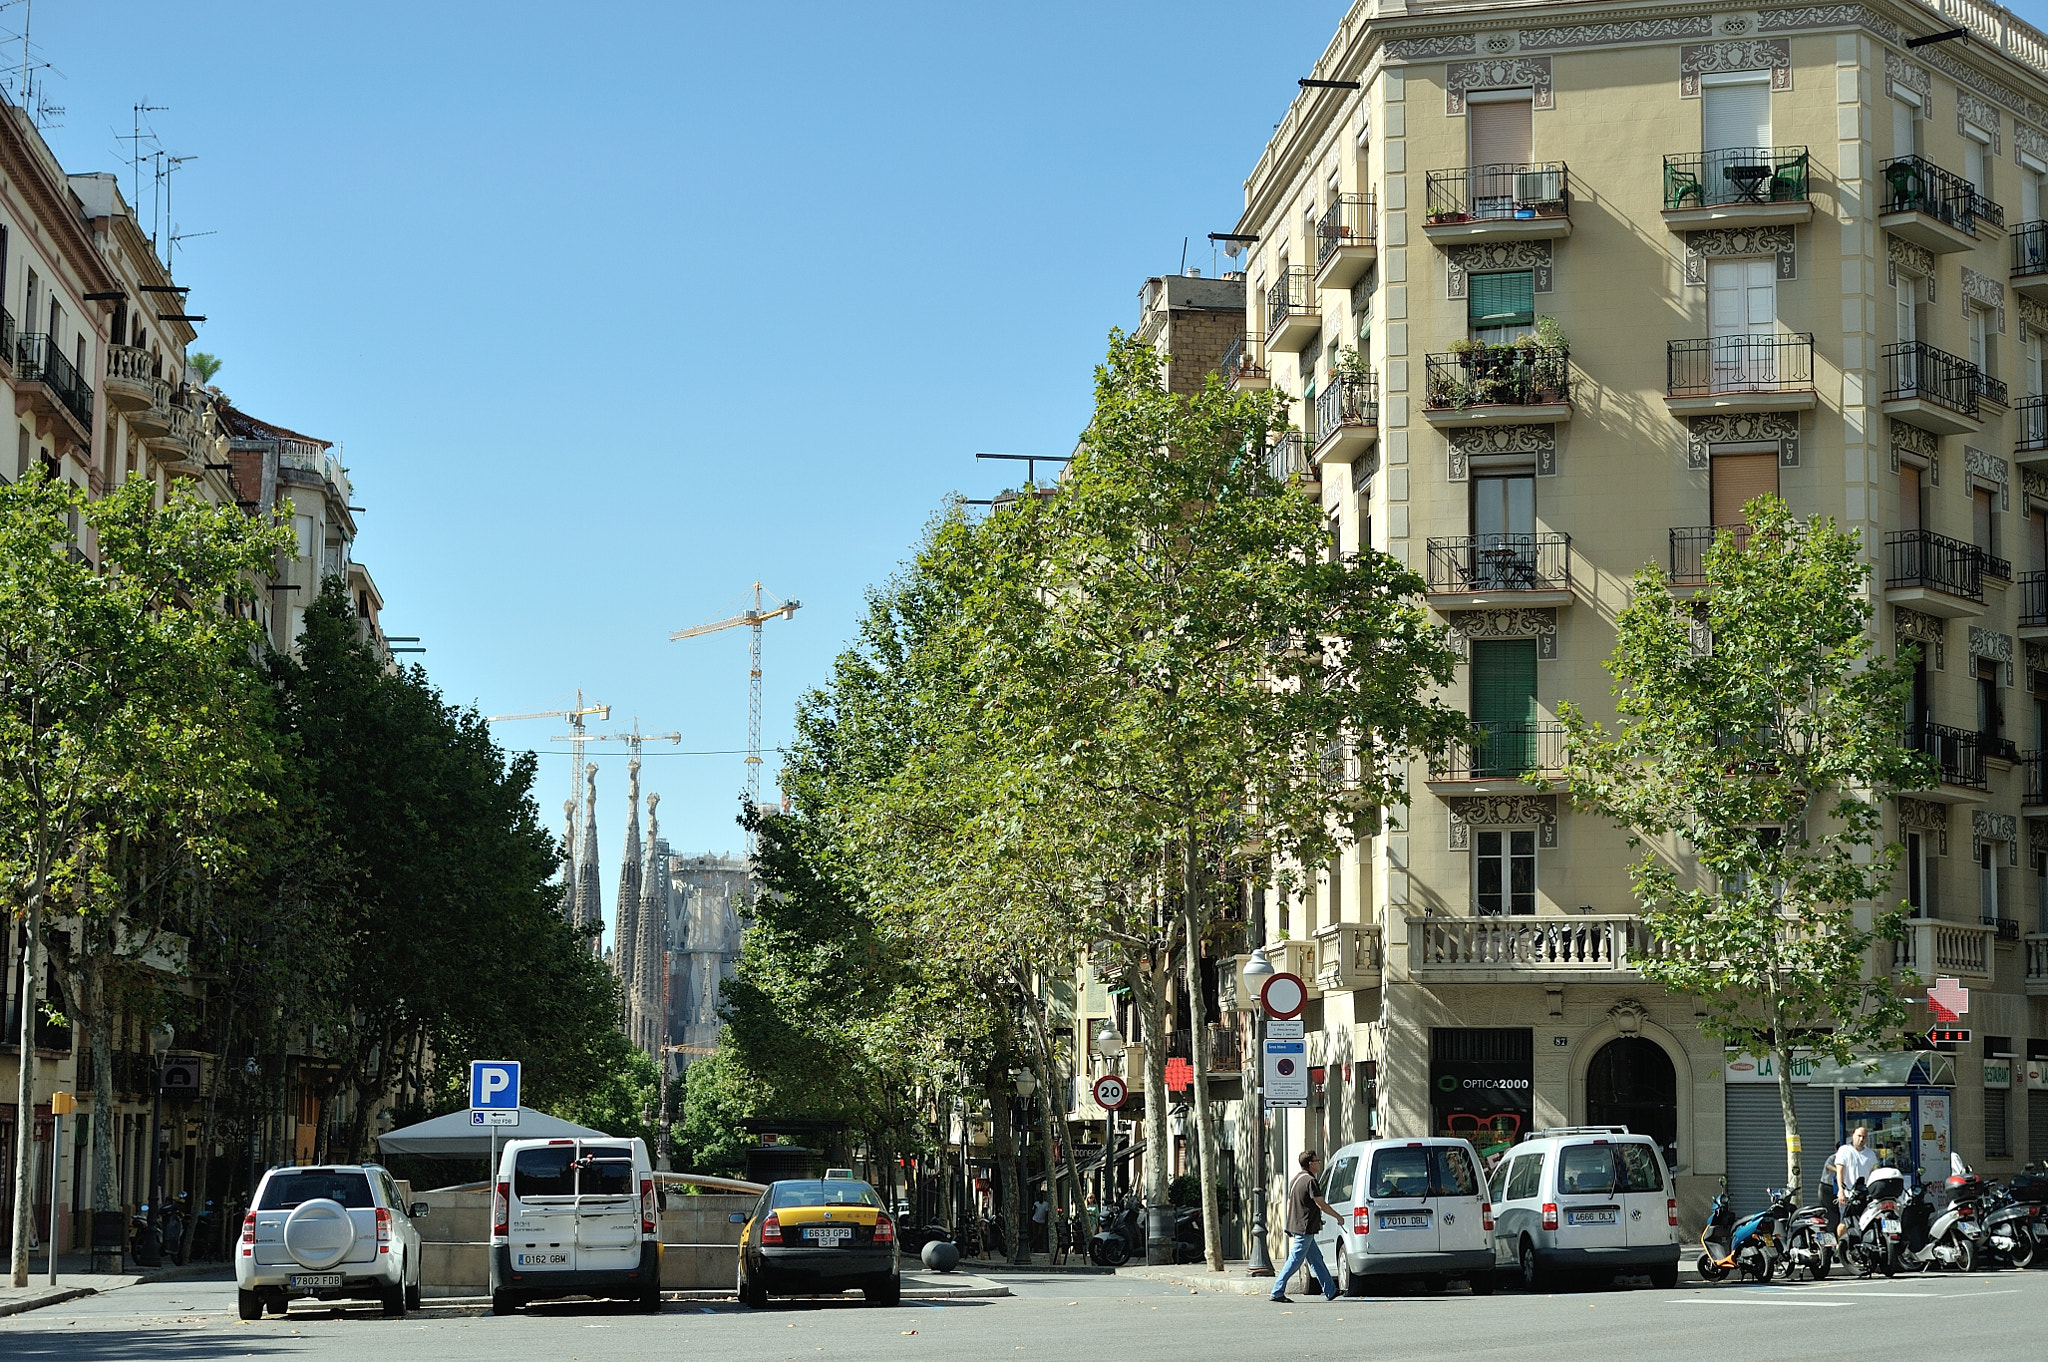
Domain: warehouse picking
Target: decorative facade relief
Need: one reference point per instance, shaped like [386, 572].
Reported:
[1494, 256]
[1825, 16]
[1505, 810]
[1926, 630]
[1996, 827]
[1992, 646]
[1538, 443]
[1538, 622]
[1602, 35]
[1750, 54]
[1702, 433]
[2033, 316]
[1739, 241]
[1504, 73]
[2027, 142]
[1977, 463]
[1901, 254]
[2036, 656]
[1497, 44]
[1985, 290]
[1421, 49]
[1970, 109]
[2034, 484]
[1927, 818]
[1923, 446]
[2037, 837]
[1900, 74]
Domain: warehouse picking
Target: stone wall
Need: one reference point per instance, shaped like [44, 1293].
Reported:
[699, 1242]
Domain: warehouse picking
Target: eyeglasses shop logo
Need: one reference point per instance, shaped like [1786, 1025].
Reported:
[1453, 1083]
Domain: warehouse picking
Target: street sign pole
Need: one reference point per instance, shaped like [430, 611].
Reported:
[1258, 1258]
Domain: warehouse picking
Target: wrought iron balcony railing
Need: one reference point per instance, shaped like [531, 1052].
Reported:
[1959, 752]
[2034, 776]
[1689, 545]
[1914, 184]
[1347, 222]
[1500, 562]
[1540, 189]
[2030, 248]
[1241, 359]
[1923, 558]
[1735, 175]
[1739, 364]
[1287, 457]
[1499, 375]
[2033, 425]
[38, 361]
[1916, 369]
[1501, 751]
[2033, 600]
[1290, 295]
[1347, 402]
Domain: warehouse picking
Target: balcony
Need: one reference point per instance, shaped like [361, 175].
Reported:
[1932, 389]
[1494, 757]
[1499, 203]
[2030, 432]
[1739, 373]
[133, 384]
[1244, 364]
[1499, 385]
[1292, 313]
[1933, 574]
[1487, 950]
[2037, 965]
[1346, 244]
[1959, 753]
[1482, 571]
[1347, 419]
[53, 388]
[1226, 1050]
[2034, 783]
[2033, 620]
[1689, 545]
[2005, 930]
[1348, 956]
[1736, 187]
[1932, 948]
[1929, 207]
[2030, 260]
[1288, 461]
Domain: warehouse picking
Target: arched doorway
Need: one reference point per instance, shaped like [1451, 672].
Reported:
[1631, 1082]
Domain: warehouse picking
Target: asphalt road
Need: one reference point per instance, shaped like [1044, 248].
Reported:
[1984, 1315]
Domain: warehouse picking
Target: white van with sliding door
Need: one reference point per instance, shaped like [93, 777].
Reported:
[1592, 1201]
[574, 1218]
[1408, 1209]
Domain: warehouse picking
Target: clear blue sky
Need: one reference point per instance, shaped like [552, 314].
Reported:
[620, 307]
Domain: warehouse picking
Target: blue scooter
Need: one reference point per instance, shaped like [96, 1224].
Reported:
[1749, 1249]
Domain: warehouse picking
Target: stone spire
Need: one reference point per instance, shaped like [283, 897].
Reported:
[626, 914]
[647, 953]
[589, 902]
[569, 859]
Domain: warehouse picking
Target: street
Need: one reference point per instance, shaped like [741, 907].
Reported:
[1979, 1315]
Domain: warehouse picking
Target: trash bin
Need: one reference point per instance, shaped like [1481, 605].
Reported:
[109, 1230]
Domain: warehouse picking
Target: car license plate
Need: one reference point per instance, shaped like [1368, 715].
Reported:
[1405, 1222]
[542, 1259]
[1590, 1217]
[832, 1234]
[313, 1281]
[1891, 1226]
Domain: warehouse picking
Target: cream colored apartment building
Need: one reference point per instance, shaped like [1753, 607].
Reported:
[1783, 251]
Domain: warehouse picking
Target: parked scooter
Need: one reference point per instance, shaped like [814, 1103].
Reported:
[2008, 1226]
[1749, 1248]
[1188, 1246]
[1806, 1235]
[1871, 1232]
[1929, 1241]
[1122, 1234]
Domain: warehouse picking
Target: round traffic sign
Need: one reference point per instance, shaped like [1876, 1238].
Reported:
[1284, 996]
[1110, 1092]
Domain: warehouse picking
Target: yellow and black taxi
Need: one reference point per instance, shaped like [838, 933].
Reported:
[818, 1236]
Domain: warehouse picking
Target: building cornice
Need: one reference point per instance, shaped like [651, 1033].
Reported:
[53, 205]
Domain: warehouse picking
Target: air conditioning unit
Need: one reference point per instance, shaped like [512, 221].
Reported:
[1539, 186]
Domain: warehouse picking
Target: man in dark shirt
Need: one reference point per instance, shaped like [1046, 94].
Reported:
[1305, 1211]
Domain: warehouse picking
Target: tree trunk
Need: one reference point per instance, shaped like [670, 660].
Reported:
[998, 1089]
[1781, 1049]
[1150, 989]
[1198, 1051]
[25, 1096]
[100, 1035]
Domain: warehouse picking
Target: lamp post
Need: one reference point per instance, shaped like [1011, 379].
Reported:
[160, 1037]
[1258, 1261]
[1110, 1045]
[1026, 1083]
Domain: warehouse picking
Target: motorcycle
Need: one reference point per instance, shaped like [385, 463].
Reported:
[1807, 1235]
[1871, 1230]
[2008, 1226]
[1188, 1246]
[1121, 1235]
[1748, 1248]
[1929, 1241]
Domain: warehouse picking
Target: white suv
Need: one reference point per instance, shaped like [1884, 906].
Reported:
[1408, 1208]
[575, 1218]
[334, 1233]
[1595, 1200]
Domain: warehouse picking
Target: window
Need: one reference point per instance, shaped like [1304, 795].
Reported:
[2041, 892]
[1742, 316]
[1363, 498]
[1990, 709]
[1340, 1180]
[1586, 1169]
[1982, 341]
[1989, 888]
[1525, 1179]
[607, 1170]
[287, 1190]
[1905, 125]
[1500, 127]
[1911, 505]
[1636, 1168]
[1501, 307]
[1977, 158]
[1984, 519]
[1906, 298]
[1505, 873]
[1735, 480]
[1918, 873]
[1503, 680]
[1735, 134]
[1401, 1172]
[826, 1192]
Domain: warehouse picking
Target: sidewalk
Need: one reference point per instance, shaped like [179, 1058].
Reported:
[1196, 1277]
[73, 1281]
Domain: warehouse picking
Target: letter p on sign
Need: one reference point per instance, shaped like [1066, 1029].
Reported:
[494, 1085]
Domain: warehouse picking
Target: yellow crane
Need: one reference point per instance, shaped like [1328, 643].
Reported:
[753, 619]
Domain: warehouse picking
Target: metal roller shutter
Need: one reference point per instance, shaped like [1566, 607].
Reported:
[1737, 480]
[1756, 1142]
[2037, 1126]
[1735, 116]
[1500, 131]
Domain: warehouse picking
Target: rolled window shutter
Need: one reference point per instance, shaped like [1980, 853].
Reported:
[1735, 116]
[1737, 479]
[1500, 132]
[1502, 299]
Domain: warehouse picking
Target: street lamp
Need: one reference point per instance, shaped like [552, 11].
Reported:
[1258, 1262]
[1110, 1045]
[160, 1037]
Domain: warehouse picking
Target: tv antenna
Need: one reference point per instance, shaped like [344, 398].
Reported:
[134, 141]
[171, 236]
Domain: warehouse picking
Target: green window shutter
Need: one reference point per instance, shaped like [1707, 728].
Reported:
[1504, 705]
[1502, 299]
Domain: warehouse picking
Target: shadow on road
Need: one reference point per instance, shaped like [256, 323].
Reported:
[137, 1345]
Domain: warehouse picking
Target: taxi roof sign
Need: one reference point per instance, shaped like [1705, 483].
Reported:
[845, 1174]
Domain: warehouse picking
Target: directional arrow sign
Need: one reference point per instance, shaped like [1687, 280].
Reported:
[1948, 1000]
[1948, 1035]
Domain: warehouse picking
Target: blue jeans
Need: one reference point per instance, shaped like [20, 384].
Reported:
[1304, 1250]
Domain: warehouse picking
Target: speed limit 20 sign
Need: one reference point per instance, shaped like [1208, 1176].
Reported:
[1110, 1092]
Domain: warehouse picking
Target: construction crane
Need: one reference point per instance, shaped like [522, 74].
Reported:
[633, 740]
[754, 619]
[577, 737]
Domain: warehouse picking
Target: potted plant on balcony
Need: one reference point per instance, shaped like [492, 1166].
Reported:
[1546, 352]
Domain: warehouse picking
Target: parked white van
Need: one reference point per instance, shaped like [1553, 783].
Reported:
[1408, 1208]
[1593, 1200]
[575, 1218]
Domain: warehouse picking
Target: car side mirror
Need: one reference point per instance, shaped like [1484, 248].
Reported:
[418, 1210]
[736, 1218]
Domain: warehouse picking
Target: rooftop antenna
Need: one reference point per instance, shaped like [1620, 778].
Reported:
[134, 140]
[171, 164]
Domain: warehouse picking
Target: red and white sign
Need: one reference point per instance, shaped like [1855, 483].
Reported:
[1948, 1000]
[1110, 1091]
[1284, 996]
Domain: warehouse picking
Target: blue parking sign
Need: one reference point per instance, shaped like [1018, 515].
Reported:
[494, 1085]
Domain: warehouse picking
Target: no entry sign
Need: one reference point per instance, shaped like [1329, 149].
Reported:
[1284, 996]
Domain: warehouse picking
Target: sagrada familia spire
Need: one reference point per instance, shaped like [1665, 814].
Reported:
[626, 916]
[650, 1000]
[589, 902]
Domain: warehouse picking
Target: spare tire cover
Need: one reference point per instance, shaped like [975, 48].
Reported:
[318, 1234]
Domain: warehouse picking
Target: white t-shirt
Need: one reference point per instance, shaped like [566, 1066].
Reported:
[1853, 1164]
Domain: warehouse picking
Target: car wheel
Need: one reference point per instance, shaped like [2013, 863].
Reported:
[1481, 1283]
[650, 1300]
[1664, 1276]
[1534, 1278]
[249, 1305]
[751, 1295]
[885, 1293]
[1348, 1282]
[412, 1296]
[503, 1302]
[394, 1301]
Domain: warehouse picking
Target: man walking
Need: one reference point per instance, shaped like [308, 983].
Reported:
[1305, 1210]
[1850, 1165]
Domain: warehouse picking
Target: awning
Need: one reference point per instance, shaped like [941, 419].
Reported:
[1123, 1155]
[1896, 1069]
[453, 1137]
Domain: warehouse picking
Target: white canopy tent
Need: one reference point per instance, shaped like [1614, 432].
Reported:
[453, 1137]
